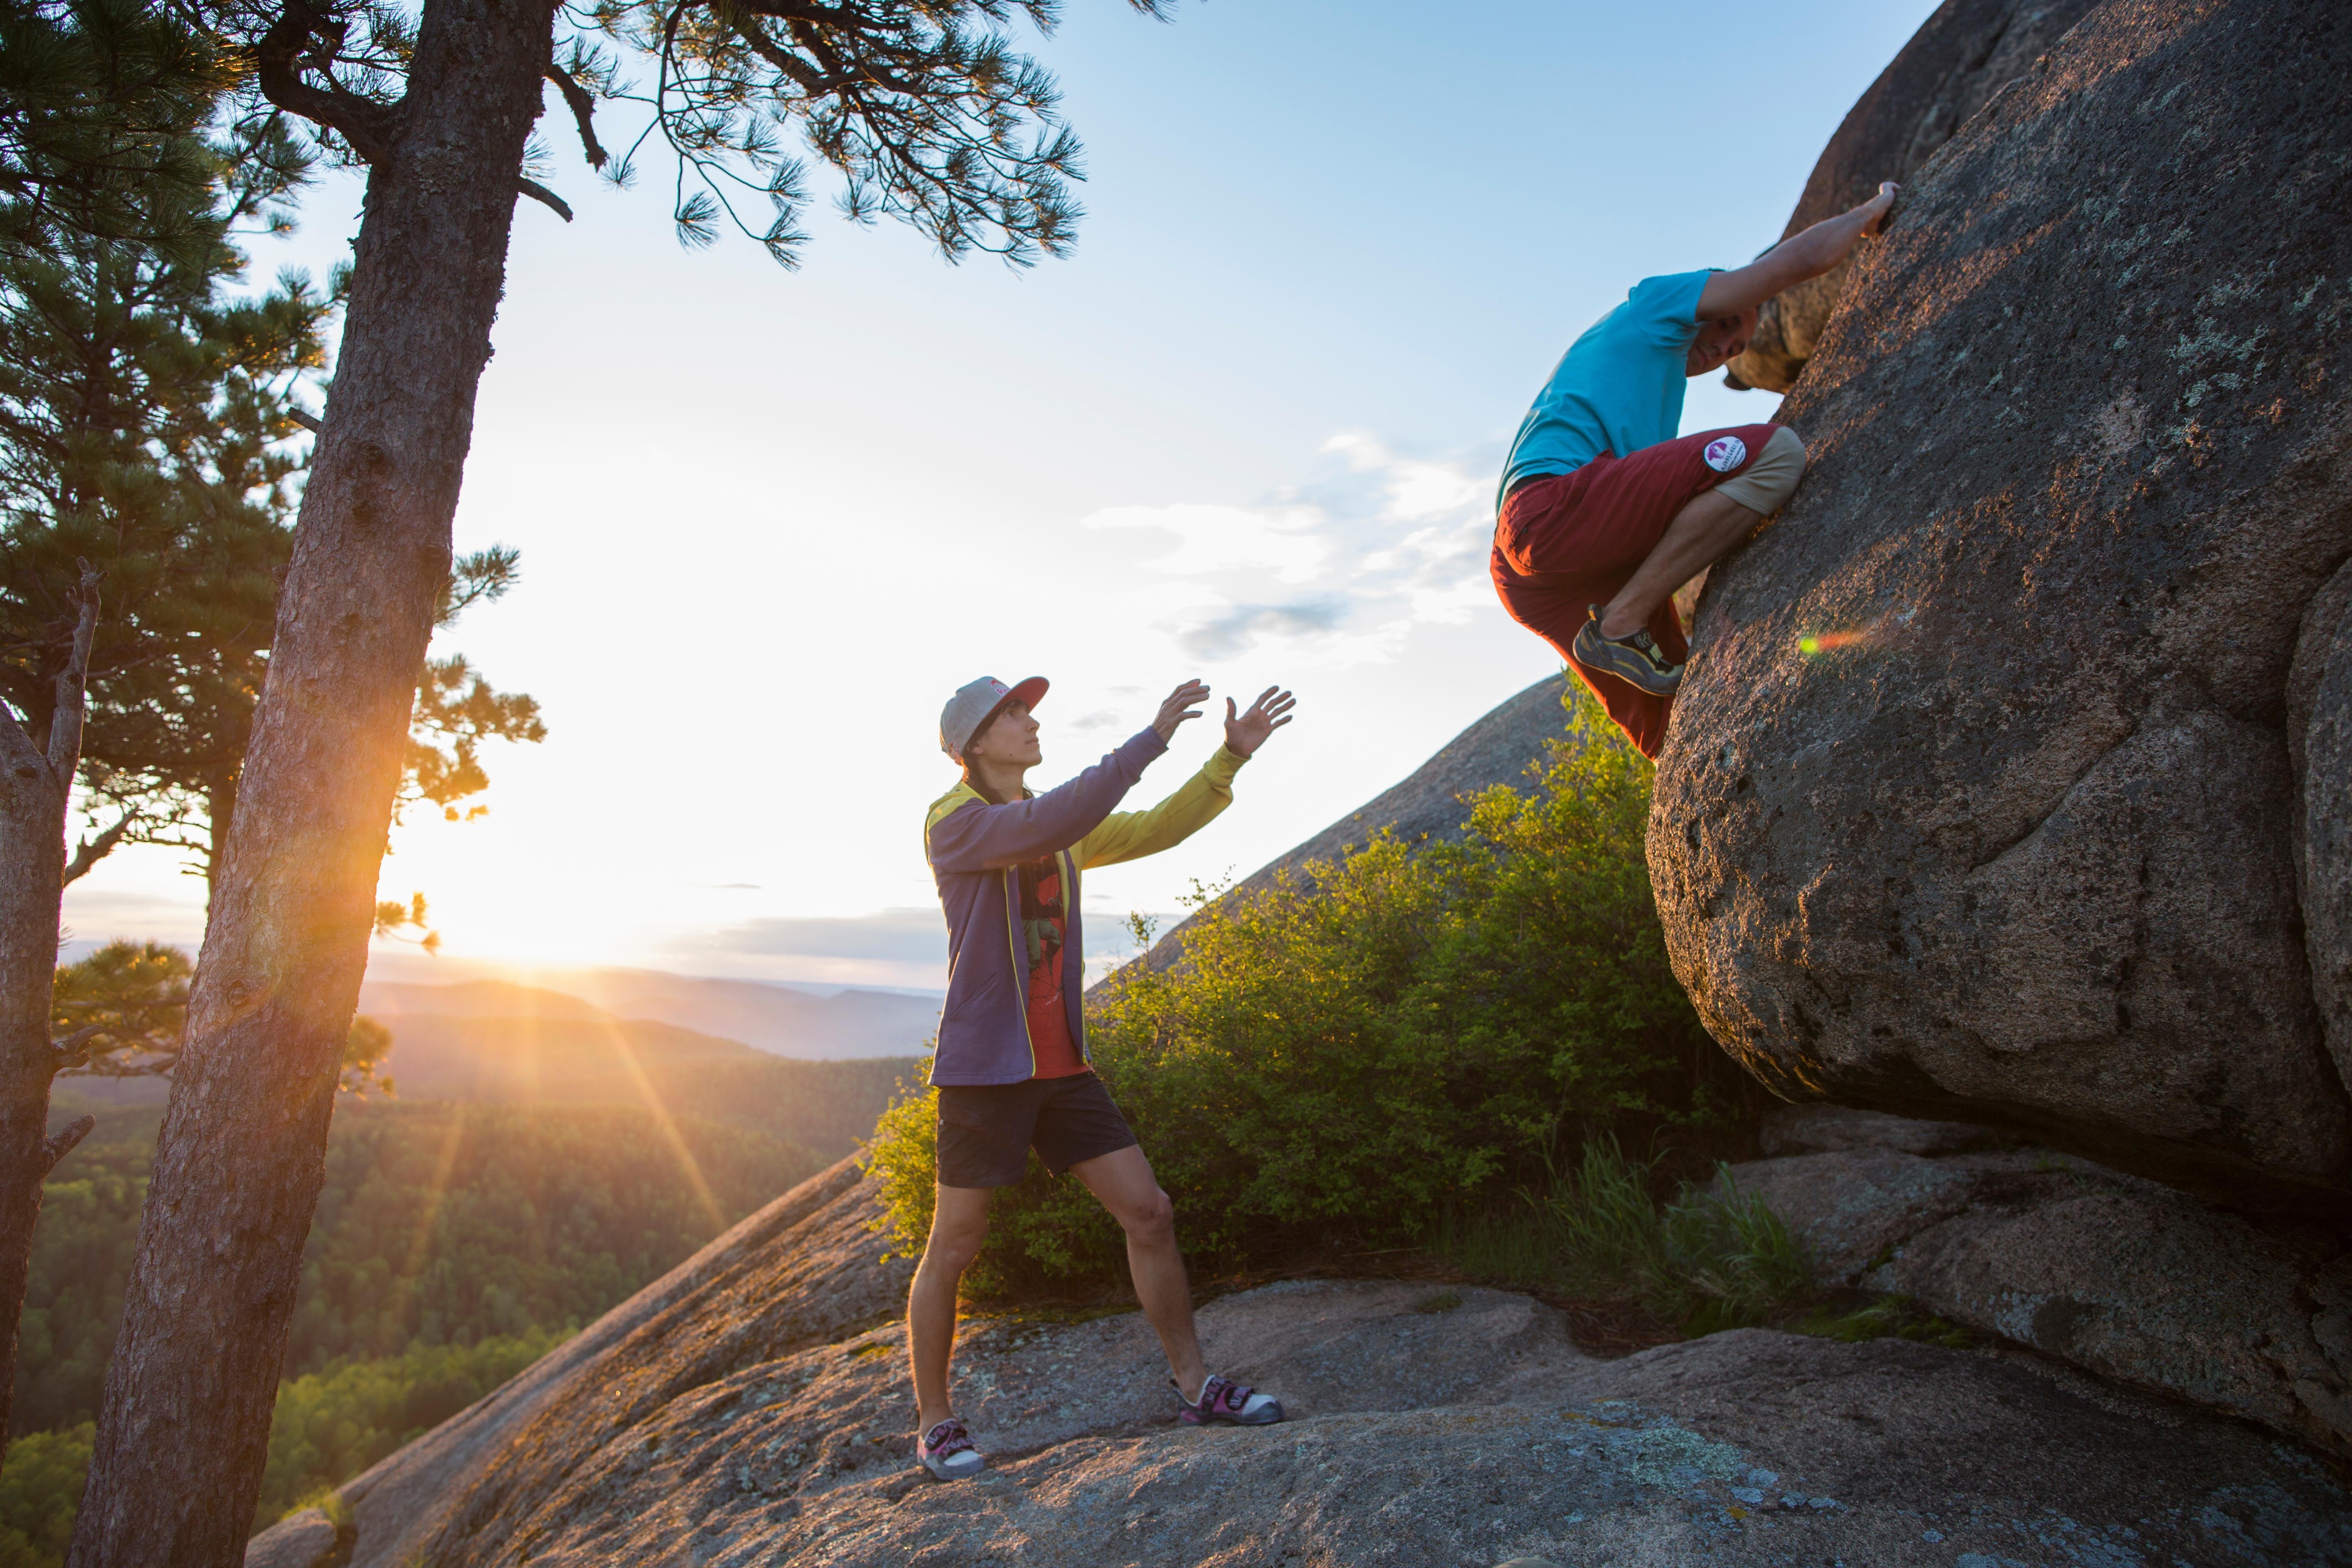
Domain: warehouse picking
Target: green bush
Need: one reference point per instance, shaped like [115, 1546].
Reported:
[1361, 1048]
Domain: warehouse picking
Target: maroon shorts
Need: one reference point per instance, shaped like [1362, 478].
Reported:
[1567, 541]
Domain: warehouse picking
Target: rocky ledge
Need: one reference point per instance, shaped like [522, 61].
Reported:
[750, 1409]
[2116, 1275]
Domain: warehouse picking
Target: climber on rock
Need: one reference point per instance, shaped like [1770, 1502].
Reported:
[1604, 512]
[1012, 1067]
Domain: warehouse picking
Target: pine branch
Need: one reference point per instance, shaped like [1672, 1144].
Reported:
[540, 193]
[91, 851]
[370, 127]
[583, 109]
[71, 1051]
[57, 1146]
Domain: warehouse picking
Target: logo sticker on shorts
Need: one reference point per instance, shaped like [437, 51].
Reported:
[1725, 453]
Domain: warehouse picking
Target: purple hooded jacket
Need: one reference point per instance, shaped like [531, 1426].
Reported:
[976, 847]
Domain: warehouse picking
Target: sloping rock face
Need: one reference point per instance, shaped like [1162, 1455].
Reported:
[1978, 802]
[1498, 749]
[2319, 743]
[2128, 1278]
[1960, 57]
[751, 1409]
[804, 1271]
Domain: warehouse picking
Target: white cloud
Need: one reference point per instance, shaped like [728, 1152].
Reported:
[1376, 545]
[1239, 626]
[1220, 538]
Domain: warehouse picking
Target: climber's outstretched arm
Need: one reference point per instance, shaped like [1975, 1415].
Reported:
[1794, 260]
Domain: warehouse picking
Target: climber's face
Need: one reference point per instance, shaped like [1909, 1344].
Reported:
[1720, 341]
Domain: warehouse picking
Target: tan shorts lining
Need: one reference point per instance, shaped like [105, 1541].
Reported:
[1769, 482]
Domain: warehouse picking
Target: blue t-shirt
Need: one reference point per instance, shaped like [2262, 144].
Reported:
[1618, 389]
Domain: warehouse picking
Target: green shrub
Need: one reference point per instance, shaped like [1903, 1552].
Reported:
[1361, 1048]
[905, 1152]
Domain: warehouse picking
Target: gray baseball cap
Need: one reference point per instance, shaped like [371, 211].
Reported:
[976, 704]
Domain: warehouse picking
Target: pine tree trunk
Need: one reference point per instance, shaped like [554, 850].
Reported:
[184, 1427]
[32, 872]
[220, 810]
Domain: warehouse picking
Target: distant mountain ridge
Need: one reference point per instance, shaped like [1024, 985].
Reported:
[495, 1041]
[780, 1020]
[826, 1105]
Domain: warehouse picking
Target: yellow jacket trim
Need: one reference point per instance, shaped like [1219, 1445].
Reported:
[1131, 835]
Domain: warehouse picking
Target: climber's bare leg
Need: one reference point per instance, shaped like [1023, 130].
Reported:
[1123, 1180]
[1702, 533]
[958, 1225]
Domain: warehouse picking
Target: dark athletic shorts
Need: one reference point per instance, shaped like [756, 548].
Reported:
[986, 1130]
[1566, 541]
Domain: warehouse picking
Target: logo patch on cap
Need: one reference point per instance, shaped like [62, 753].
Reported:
[1725, 453]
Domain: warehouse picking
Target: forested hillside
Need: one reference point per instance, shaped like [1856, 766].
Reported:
[529, 1174]
[828, 1106]
[439, 1224]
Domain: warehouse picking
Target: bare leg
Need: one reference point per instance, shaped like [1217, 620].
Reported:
[1123, 1181]
[1699, 537]
[958, 1225]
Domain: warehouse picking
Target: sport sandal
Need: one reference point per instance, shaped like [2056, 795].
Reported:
[1633, 658]
[947, 1452]
[1221, 1399]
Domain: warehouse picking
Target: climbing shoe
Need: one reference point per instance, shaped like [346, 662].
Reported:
[1223, 1399]
[947, 1452]
[1633, 658]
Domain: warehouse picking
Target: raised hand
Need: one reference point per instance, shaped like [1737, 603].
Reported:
[1877, 207]
[1246, 732]
[1183, 703]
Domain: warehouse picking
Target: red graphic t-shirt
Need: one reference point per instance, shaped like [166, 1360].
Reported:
[1049, 1019]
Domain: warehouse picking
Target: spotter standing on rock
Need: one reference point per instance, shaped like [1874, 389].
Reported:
[1603, 513]
[1011, 1068]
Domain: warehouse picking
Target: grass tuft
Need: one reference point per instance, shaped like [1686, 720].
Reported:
[1713, 1258]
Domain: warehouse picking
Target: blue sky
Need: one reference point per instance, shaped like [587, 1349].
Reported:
[1248, 432]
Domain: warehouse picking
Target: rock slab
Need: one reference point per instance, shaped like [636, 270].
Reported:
[2108, 1272]
[1978, 804]
[751, 1409]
